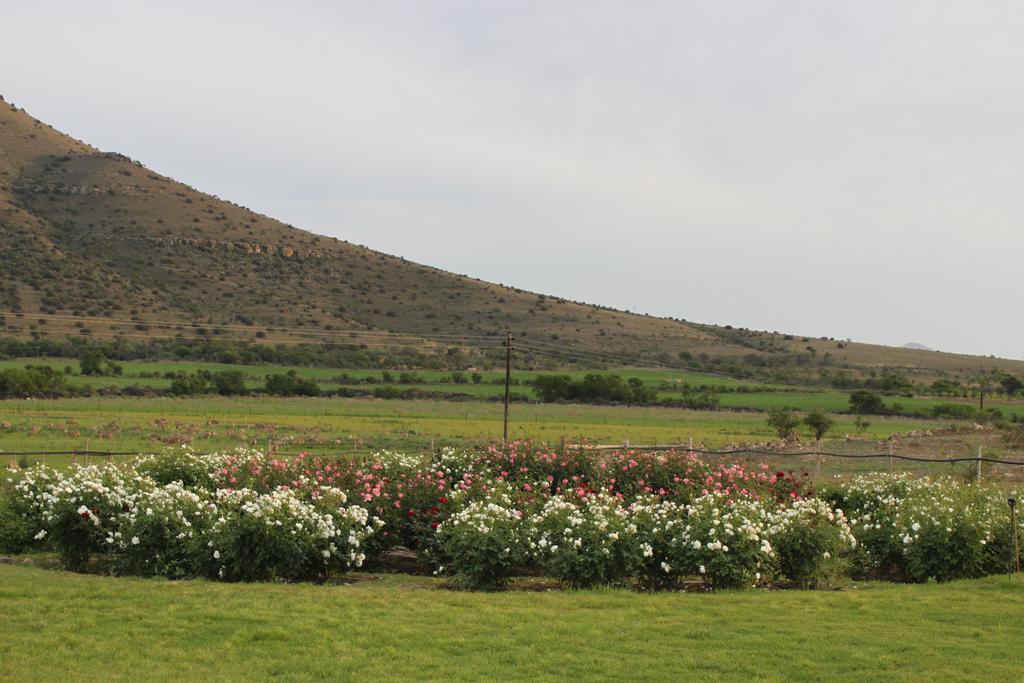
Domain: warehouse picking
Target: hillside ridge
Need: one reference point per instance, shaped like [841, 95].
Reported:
[97, 235]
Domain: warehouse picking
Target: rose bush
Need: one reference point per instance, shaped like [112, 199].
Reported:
[926, 528]
[585, 541]
[805, 535]
[483, 543]
[481, 515]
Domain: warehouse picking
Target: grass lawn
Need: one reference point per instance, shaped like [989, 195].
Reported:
[62, 626]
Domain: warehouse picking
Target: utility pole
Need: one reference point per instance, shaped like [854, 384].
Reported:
[508, 380]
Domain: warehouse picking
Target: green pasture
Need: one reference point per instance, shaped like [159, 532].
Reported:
[754, 397]
[64, 626]
[335, 426]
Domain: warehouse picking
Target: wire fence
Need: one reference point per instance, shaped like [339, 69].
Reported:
[816, 455]
[783, 454]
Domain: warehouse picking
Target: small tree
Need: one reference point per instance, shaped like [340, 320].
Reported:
[229, 382]
[1011, 385]
[784, 422]
[91, 362]
[861, 424]
[819, 423]
[866, 403]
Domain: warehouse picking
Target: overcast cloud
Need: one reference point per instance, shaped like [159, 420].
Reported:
[824, 168]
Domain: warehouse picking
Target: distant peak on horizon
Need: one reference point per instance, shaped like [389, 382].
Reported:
[917, 347]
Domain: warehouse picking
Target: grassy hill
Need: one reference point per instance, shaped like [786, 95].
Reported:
[96, 244]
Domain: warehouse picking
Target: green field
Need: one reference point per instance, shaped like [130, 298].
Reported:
[331, 423]
[340, 427]
[63, 626]
[736, 394]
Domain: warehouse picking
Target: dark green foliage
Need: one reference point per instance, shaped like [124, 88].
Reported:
[224, 382]
[964, 411]
[945, 387]
[15, 530]
[867, 403]
[33, 381]
[891, 382]
[290, 384]
[1011, 385]
[191, 384]
[91, 362]
[230, 383]
[593, 389]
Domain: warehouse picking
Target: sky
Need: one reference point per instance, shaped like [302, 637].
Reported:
[822, 168]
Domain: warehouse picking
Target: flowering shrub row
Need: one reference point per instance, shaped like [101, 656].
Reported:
[148, 528]
[487, 515]
[926, 528]
[598, 540]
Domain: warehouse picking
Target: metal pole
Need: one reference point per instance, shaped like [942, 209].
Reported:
[979, 463]
[508, 380]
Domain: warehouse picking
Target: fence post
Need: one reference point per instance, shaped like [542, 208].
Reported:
[1016, 547]
[1015, 560]
[979, 463]
[890, 457]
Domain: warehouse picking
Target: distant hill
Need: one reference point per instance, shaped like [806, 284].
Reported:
[92, 234]
[917, 347]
